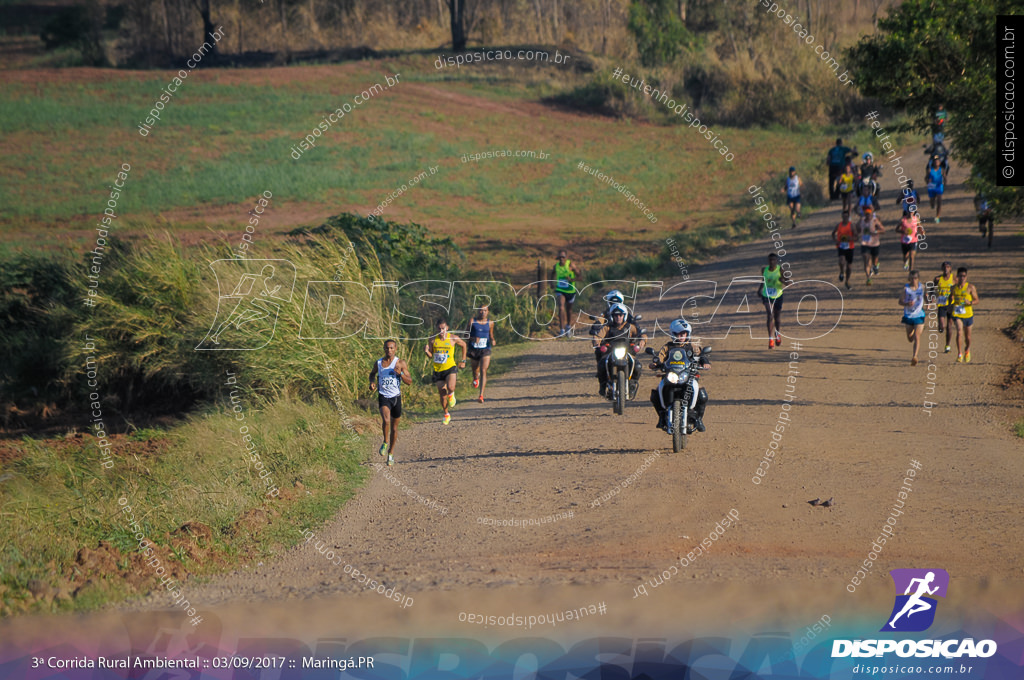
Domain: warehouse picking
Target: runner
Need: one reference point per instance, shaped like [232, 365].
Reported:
[942, 296]
[936, 187]
[617, 327]
[836, 159]
[481, 339]
[564, 275]
[847, 181]
[441, 349]
[911, 230]
[909, 199]
[869, 229]
[984, 209]
[912, 300]
[845, 235]
[680, 333]
[868, 168]
[773, 280]
[792, 188]
[866, 194]
[964, 298]
[387, 377]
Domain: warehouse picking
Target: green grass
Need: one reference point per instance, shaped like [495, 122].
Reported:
[1018, 428]
[58, 498]
[220, 143]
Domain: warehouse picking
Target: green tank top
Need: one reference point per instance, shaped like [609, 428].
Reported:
[565, 277]
[772, 287]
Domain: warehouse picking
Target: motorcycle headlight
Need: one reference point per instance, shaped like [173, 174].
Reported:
[672, 377]
[619, 352]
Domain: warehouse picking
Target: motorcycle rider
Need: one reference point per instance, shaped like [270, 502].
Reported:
[680, 331]
[611, 299]
[617, 327]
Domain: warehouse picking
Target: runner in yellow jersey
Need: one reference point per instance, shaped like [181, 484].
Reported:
[965, 296]
[942, 286]
[441, 349]
[564, 275]
[773, 279]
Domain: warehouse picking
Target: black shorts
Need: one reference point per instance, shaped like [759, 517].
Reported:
[393, 403]
[907, 247]
[967, 322]
[570, 298]
[478, 353]
[945, 310]
[846, 254]
[864, 250]
[441, 376]
[775, 304]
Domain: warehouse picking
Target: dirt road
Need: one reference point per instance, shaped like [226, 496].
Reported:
[544, 445]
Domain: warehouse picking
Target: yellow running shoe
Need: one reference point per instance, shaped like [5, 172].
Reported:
[451, 400]
[447, 418]
[967, 357]
[959, 358]
[384, 449]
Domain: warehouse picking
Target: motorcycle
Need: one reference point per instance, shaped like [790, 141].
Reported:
[681, 375]
[620, 367]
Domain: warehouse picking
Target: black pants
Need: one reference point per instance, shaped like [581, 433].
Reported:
[833, 180]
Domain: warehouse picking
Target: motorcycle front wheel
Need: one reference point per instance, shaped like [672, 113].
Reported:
[620, 392]
[678, 426]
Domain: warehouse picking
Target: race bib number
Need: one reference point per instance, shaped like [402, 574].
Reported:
[480, 343]
[943, 300]
[389, 382]
[865, 239]
[932, 186]
[959, 309]
[772, 292]
[907, 238]
[440, 357]
[845, 245]
[564, 283]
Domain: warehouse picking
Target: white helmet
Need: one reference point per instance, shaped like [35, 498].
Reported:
[680, 326]
[614, 296]
[618, 309]
[868, 156]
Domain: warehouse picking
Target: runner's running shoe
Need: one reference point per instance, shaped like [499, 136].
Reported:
[451, 400]
[967, 357]
[476, 382]
[447, 418]
[771, 343]
[391, 460]
[480, 398]
[383, 448]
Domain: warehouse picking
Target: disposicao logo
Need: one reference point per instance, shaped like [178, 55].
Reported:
[913, 612]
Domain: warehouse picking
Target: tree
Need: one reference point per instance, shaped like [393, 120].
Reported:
[457, 15]
[659, 32]
[929, 53]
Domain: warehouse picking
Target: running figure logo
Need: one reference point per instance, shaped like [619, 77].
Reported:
[914, 611]
[248, 314]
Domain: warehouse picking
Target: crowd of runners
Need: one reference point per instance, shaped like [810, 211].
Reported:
[950, 296]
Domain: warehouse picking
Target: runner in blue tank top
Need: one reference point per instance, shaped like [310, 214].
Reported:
[387, 376]
[481, 340]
